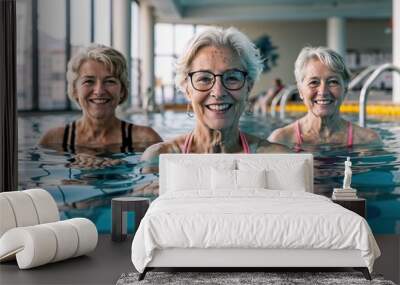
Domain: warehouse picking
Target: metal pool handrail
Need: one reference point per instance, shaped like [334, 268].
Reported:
[361, 76]
[365, 89]
[289, 91]
[275, 102]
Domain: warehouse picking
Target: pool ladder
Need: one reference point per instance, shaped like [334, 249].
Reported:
[281, 98]
[365, 90]
[373, 72]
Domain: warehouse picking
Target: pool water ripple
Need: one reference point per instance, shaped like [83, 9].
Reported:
[87, 192]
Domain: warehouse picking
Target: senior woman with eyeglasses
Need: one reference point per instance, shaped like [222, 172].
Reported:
[322, 79]
[217, 72]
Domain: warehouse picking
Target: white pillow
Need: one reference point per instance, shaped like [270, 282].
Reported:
[185, 177]
[290, 176]
[251, 178]
[281, 175]
[193, 176]
[230, 180]
[223, 179]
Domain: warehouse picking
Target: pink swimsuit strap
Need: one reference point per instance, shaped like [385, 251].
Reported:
[188, 142]
[245, 143]
[299, 139]
[349, 134]
[189, 138]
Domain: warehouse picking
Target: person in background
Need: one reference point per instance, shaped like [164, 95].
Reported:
[97, 79]
[217, 73]
[322, 79]
[263, 102]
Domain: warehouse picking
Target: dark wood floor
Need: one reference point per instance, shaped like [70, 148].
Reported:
[111, 259]
[389, 262]
[102, 266]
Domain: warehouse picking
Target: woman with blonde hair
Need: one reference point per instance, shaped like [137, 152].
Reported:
[98, 83]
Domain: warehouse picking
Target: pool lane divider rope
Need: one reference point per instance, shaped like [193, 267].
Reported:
[372, 109]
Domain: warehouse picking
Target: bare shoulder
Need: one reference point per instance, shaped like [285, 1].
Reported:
[264, 146]
[171, 146]
[144, 133]
[284, 135]
[52, 137]
[150, 157]
[365, 136]
[269, 147]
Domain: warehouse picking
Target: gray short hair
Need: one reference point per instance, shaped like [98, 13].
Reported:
[232, 38]
[327, 56]
[111, 58]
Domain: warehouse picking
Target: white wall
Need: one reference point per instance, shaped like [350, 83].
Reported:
[368, 34]
[291, 36]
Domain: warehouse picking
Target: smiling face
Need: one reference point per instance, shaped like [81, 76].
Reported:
[217, 108]
[321, 89]
[97, 91]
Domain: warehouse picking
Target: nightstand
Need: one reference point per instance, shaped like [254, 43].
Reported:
[119, 208]
[357, 205]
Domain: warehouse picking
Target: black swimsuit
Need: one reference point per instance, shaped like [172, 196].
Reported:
[69, 140]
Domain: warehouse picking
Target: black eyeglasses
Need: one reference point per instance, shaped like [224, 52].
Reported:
[233, 79]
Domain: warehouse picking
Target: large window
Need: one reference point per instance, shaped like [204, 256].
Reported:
[102, 22]
[51, 54]
[135, 62]
[24, 54]
[48, 33]
[170, 41]
[80, 22]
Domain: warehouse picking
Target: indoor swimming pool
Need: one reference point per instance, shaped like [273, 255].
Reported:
[88, 192]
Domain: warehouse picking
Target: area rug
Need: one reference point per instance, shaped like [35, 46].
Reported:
[243, 278]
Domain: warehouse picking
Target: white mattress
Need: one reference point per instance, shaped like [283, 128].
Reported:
[257, 218]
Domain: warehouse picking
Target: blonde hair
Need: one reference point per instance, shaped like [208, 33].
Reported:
[327, 56]
[112, 59]
[232, 38]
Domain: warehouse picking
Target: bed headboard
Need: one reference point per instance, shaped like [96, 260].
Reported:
[286, 170]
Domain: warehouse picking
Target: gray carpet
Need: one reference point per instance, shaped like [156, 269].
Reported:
[243, 278]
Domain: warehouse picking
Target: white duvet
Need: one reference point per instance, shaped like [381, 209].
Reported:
[257, 218]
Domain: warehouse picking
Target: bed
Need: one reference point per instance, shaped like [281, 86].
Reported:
[246, 211]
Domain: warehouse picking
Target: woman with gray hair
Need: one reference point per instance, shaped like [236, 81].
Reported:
[216, 72]
[98, 83]
[322, 79]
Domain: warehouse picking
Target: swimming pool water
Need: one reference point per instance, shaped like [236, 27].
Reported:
[88, 192]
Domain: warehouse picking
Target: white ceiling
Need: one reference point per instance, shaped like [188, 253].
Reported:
[203, 11]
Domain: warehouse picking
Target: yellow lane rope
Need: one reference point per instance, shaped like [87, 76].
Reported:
[384, 109]
[372, 109]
